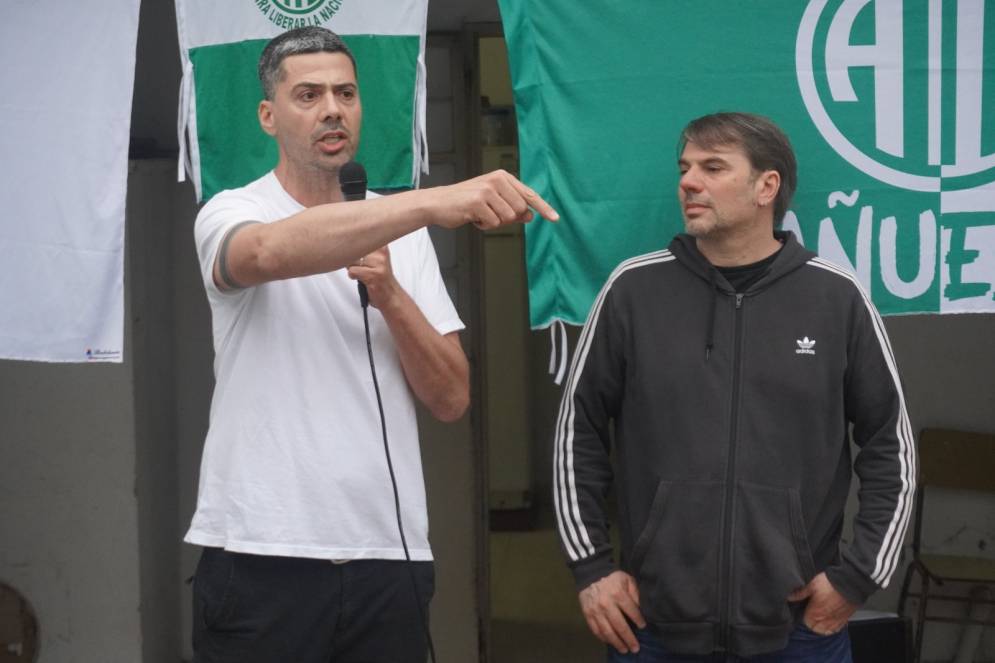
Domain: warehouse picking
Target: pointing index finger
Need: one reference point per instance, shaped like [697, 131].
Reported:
[536, 202]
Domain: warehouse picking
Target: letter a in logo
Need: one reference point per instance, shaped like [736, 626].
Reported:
[876, 77]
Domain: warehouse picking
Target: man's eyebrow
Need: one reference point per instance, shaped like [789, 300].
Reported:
[307, 83]
[314, 85]
[708, 161]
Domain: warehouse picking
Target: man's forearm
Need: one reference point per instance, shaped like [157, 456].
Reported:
[327, 237]
[434, 365]
[321, 239]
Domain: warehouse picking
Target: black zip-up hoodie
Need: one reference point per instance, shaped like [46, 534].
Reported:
[730, 415]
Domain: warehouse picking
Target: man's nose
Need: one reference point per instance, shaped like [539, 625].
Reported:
[330, 109]
[690, 181]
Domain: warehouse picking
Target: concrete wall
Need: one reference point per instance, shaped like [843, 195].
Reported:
[153, 201]
[87, 480]
[68, 512]
[194, 380]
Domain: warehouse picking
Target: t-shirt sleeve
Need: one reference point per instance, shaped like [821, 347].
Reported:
[216, 218]
[429, 291]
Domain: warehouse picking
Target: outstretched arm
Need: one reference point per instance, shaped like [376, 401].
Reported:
[327, 237]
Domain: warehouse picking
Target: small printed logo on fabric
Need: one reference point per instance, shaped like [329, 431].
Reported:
[102, 355]
[805, 346]
[288, 14]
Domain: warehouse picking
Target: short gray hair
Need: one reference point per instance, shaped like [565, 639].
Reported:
[298, 41]
[765, 145]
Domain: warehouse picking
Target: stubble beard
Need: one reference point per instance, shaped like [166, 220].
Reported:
[325, 165]
[703, 226]
[310, 159]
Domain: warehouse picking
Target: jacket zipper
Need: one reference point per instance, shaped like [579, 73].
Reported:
[726, 590]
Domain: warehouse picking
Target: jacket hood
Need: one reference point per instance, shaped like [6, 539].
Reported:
[790, 257]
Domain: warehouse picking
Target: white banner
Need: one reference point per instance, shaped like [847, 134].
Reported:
[68, 80]
[206, 22]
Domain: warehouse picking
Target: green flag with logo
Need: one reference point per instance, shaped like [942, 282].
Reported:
[221, 143]
[890, 106]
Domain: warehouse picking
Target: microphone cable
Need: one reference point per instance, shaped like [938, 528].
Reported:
[352, 180]
[364, 302]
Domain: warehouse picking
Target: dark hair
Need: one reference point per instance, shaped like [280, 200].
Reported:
[296, 42]
[765, 145]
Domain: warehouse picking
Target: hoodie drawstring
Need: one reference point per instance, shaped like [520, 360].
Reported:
[710, 338]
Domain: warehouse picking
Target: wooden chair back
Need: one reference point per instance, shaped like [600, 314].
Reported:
[957, 459]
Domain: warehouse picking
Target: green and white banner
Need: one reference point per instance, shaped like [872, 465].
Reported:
[890, 105]
[220, 43]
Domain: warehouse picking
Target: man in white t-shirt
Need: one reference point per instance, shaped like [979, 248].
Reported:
[303, 558]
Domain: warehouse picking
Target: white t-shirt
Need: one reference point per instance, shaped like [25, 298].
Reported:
[294, 462]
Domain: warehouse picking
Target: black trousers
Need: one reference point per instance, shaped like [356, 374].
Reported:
[262, 609]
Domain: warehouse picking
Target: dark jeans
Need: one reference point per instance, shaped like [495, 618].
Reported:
[804, 646]
[262, 609]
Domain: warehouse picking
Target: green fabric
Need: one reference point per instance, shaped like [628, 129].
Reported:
[234, 150]
[603, 89]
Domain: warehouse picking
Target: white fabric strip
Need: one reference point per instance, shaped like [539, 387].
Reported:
[564, 353]
[552, 348]
[183, 164]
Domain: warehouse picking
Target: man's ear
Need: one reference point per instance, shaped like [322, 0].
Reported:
[768, 184]
[266, 117]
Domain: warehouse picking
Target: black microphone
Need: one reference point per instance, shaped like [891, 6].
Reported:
[352, 181]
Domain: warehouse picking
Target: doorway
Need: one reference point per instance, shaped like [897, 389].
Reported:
[528, 602]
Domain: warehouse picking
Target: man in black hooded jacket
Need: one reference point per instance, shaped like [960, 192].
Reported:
[729, 372]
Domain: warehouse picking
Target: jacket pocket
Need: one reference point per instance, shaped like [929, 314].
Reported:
[771, 554]
[675, 558]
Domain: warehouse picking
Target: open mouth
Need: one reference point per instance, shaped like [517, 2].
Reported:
[332, 141]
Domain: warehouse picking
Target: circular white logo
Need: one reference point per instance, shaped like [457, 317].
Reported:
[298, 6]
[289, 14]
[900, 128]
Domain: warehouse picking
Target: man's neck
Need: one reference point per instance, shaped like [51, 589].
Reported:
[311, 187]
[743, 248]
